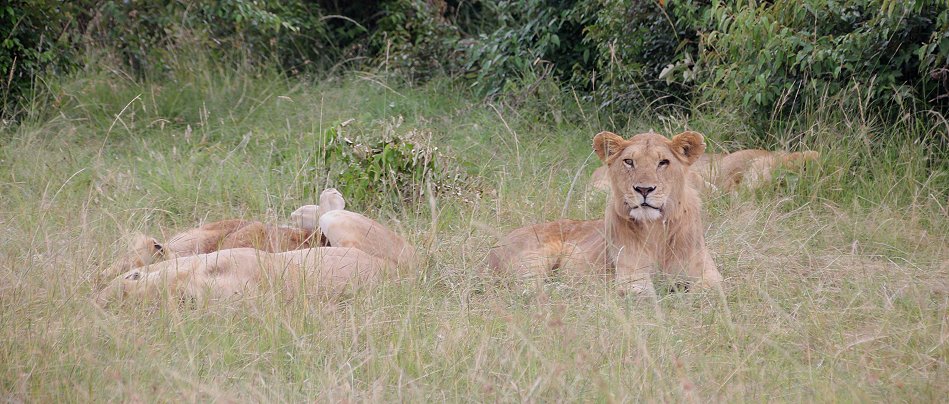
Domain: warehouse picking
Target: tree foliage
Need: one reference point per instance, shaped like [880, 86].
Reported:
[767, 57]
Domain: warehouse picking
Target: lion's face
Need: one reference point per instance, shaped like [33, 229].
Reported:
[144, 250]
[648, 172]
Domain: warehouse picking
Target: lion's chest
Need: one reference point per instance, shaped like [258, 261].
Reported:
[650, 244]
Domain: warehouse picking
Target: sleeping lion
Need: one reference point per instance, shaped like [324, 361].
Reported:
[332, 249]
[233, 233]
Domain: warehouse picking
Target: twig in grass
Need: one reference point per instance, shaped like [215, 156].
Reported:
[118, 117]
[751, 353]
[433, 207]
[517, 143]
[566, 202]
[47, 205]
[859, 341]
[366, 77]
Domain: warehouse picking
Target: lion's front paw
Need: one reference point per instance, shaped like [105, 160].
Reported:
[116, 289]
[642, 290]
[709, 283]
[107, 295]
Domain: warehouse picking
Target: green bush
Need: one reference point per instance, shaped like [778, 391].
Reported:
[645, 51]
[414, 39]
[287, 33]
[532, 38]
[397, 167]
[778, 56]
[38, 35]
[147, 36]
[765, 60]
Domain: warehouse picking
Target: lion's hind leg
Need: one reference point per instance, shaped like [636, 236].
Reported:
[526, 264]
[343, 228]
[528, 252]
[307, 217]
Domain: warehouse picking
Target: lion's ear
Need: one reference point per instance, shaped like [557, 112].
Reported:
[606, 144]
[688, 145]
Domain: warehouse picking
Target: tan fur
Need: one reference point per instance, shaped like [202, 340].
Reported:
[359, 250]
[243, 272]
[343, 228]
[224, 234]
[307, 216]
[234, 233]
[749, 169]
[652, 220]
[142, 250]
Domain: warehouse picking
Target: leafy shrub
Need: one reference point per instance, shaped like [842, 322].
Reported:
[38, 37]
[287, 33]
[640, 47]
[776, 56]
[397, 167]
[415, 39]
[766, 59]
[528, 35]
[146, 36]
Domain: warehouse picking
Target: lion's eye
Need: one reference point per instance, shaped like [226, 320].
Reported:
[664, 162]
[628, 162]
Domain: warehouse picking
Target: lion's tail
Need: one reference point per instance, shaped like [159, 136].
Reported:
[808, 155]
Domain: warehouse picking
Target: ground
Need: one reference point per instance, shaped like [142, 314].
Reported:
[836, 280]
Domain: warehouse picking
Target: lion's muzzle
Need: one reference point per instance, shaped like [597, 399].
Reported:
[642, 207]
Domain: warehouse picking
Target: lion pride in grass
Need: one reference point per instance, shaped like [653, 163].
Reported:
[144, 250]
[330, 250]
[652, 220]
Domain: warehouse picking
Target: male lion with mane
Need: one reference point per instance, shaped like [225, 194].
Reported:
[652, 220]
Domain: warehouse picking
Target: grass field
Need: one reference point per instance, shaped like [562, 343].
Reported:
[837, 279]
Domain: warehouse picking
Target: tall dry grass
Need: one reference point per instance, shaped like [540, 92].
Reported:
[837, 279]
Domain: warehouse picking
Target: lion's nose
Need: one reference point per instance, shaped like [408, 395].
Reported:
[644, 191]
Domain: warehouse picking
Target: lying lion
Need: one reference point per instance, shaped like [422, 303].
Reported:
[356, 249]
[652, 220]
[227, 234]
[749, 169]
[244, 271]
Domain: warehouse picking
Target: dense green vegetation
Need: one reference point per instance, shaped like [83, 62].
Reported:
[769, 59]
[454, 122]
